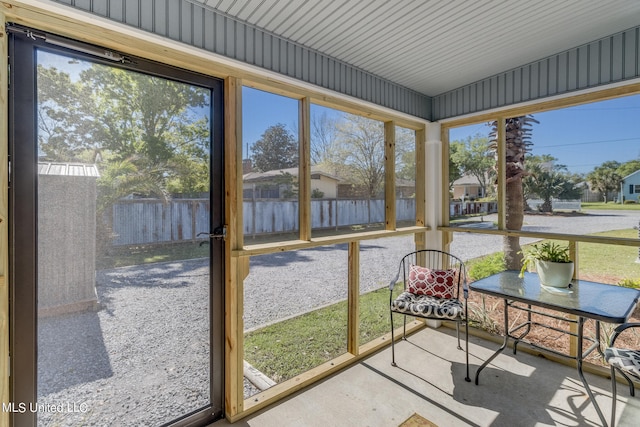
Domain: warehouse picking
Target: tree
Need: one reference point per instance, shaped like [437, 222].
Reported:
[323, 138]
[548, 180]
[64, 118]
[455, 172]
[276, 149]
[156, 126]
[605, 178]
[517, 145]
[361, 153]
[474, 157]
[352, 147]
[405, 153]
[627, 168]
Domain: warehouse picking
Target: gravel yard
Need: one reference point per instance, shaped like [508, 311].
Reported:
[121, 363]
[145, 353]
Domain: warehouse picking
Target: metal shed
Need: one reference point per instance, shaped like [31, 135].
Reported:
[66, 234]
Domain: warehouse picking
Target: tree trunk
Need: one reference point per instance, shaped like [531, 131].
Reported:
[546, 206]
[514, 217]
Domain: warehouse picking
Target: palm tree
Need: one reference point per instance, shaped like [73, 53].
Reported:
[548, 180]
[518, 143]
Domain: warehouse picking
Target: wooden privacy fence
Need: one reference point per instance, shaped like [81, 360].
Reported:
[148, 221]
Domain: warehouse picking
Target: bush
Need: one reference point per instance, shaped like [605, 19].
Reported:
[630, 283]
[629, 202]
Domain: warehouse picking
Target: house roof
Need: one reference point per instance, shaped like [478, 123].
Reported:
[438, 45]
[631, 174]
[466, 180]
[268, 175]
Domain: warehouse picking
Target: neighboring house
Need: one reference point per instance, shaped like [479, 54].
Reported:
[467, 186]
[630, 186]
[279, 184]
[405, 189]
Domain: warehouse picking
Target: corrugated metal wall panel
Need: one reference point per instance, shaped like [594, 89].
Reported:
[146, 18]
[193, 24]
[186, 23]
[159, 18]
[598, 63]
[631, 53]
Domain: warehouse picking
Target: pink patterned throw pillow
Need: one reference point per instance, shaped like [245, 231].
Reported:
[427, 281]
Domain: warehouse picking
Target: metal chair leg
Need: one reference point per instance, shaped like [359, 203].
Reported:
[466, 338]
[393, 341]
[630, 382]
[613, 396]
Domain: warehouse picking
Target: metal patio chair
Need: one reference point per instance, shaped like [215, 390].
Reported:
[434, 287]
[624, 361]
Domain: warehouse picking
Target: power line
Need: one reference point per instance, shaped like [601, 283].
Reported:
[590, 142]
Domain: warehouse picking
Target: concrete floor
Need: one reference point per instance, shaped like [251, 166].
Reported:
[521, 390]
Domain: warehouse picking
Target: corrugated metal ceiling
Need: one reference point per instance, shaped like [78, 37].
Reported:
[436, 45]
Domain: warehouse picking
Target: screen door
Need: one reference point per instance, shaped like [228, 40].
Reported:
[117, 287]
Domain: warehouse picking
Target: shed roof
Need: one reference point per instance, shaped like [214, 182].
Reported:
[68, 169]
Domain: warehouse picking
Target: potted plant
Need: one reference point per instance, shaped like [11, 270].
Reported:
[552, 263]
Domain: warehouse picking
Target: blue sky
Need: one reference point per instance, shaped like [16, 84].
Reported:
[260, 110]
[584, 136]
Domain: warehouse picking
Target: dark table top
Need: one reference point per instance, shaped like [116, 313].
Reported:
[599, 301]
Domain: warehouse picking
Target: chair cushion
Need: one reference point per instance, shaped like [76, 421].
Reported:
[428, 281]
[623, 359]
[427, 306]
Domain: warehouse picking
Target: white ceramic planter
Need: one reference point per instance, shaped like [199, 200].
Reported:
[555, 274]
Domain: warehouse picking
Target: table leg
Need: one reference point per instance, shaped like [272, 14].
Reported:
[581, 374]
[504, 343]
[526, 332]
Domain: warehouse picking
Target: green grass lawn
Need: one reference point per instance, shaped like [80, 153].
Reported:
[291, 347]
[609, 206]
[610, 262]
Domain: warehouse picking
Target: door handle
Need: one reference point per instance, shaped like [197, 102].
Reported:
[219, 233]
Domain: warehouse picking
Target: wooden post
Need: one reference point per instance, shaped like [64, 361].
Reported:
[573, 327]
[421, 188]
[353, 328]
[445, 198]
[304, 169]
[390, 175]
[235, 269]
